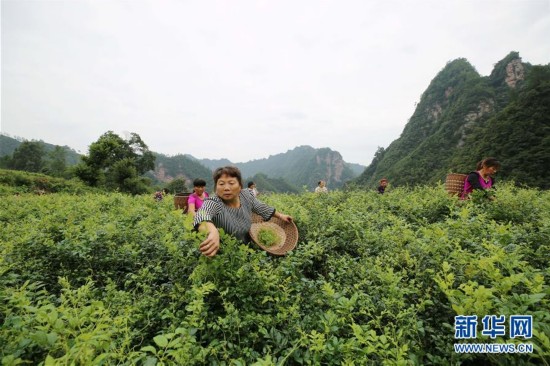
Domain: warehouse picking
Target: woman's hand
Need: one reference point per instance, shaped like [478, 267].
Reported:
[210, 246]
[284, 217]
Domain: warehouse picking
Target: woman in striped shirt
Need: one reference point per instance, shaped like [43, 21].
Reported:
[230, 209]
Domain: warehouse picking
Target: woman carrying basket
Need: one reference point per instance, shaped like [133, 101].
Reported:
[230, 209]
[482, 179]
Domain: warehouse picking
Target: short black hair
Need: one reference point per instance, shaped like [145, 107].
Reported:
[231, 171]
[199, 183]
[250, 184]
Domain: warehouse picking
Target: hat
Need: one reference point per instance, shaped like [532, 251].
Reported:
[286, 232]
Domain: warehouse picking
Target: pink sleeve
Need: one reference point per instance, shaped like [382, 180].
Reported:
[192, 200]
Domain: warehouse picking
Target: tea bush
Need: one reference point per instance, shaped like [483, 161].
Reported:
[17, 182]
[101, 279]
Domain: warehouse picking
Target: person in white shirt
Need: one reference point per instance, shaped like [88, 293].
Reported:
[321, 187]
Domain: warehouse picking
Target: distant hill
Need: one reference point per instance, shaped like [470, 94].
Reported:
[168, 168]
[266, 184]
[357, 169]
[188, 168]
[463, 117]
[211, 164]
[285, 172]
[301, 166]
[9, 144]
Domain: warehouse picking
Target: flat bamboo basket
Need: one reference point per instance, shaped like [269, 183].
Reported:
[286, 231]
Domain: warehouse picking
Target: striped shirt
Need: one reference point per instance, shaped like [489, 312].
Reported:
[233, 220]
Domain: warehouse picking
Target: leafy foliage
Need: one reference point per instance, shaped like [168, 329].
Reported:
[268, 237]
[116, 163]
[28, 157]
[177, 185]
[17, 182]
[375, 279]
[57, 164]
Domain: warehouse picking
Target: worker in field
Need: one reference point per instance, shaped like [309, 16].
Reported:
[482, 179]
[252, 188]
[382, 185]
[321, 187]
[230, 209]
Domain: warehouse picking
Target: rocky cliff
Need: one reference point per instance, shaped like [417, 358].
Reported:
[303, 166]
[444, 133]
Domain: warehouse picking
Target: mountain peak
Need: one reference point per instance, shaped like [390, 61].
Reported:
[458, 119]
[509, 71]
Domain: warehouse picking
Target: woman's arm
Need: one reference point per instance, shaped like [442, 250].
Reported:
[283, 217]
[203, 223]
[266, 211]
[258, 207]
[191, 209]
[191, 204]
[210, 246]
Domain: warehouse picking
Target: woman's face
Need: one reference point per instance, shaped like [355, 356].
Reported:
[199, 190]
[228, 188]
[491, 170]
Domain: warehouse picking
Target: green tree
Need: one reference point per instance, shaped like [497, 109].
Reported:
[177, 186]
[91, 176]
[56, 164]
[145, 159]
[28, 157]
[5, 162]
[117, 163]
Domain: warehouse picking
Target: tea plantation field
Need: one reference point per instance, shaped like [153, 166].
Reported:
[110, 279]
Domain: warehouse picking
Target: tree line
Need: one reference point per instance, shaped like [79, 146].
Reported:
[112, 163]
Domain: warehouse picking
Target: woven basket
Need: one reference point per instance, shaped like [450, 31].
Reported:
[180, 201]
[454, 183]
[287, 233]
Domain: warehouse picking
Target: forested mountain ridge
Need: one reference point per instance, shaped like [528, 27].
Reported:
[463, 117]
[9, 144]
[168, 168]
[285, 172]
[301, 166]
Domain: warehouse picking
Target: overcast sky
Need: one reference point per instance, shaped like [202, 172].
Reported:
[245, 79]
